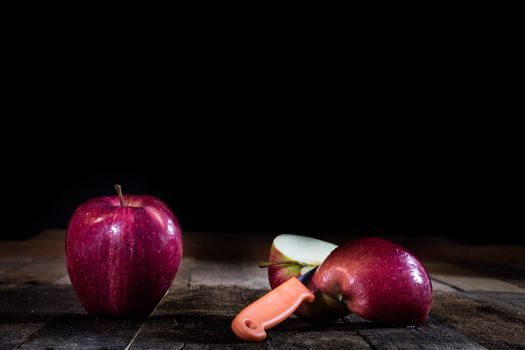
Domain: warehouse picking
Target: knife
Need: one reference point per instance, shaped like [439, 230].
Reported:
[274, 307]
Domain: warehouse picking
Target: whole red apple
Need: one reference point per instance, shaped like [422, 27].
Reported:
[123, 253]
[379, 281]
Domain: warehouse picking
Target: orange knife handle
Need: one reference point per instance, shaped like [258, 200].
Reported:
[270, 310]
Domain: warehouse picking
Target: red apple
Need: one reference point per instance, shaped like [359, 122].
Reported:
[379, 281]
[123, 253]
[294, 255]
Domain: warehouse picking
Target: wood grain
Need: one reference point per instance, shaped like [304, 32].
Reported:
[511, 303]
[443, 287]
[468, 280]
[479, 301]
[80, 331]
[434, 335]
[208, 273]
[482, 323]
[10, 264]
[511, 272]
[429, 338]
[40, 271]
[24, 310]
[183, 277]
[197, 319]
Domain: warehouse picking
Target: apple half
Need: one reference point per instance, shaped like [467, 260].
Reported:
[294, 255]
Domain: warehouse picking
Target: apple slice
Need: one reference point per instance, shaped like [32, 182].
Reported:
[294, 255]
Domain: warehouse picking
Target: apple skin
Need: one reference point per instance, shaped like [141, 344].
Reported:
[122, 259]
[379, 280]
[324, 307]
[280, 273]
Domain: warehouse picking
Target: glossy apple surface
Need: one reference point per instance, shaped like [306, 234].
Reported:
[379, 281]
[122, 256]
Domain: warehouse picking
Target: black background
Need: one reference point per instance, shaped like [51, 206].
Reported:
[251, 124]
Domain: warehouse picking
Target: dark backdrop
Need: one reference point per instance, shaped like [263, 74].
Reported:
[297, 127]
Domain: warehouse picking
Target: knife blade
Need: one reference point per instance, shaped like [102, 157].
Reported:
[306, 279]
[274, 307]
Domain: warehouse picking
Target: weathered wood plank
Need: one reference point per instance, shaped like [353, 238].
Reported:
[45, 317]
[49, 235]
[488, 312]
[44, 271]
[37, 302]
[434, 335]
[14, 334]
[482, 323]
[80, 331]
[157, 333]
[189, 332]
[295, 333]
[510, 303]
[198, 318]
[182, 280]
[440, 286]
[468, 280]
[27, 249]
[510, 272]
[205, 301]
[258, 275]
[209, 273]
[9, 264]
[24, 310]
[246, 346]
[309, 337]
[63, 281]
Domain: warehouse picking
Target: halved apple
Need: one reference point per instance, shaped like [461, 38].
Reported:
[294, 255]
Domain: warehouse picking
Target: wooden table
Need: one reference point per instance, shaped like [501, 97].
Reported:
[479, 301]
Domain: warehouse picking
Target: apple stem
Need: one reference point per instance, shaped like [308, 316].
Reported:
[118, 188]
[283, 262]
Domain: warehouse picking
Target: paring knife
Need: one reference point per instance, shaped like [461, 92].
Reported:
[274, 307]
